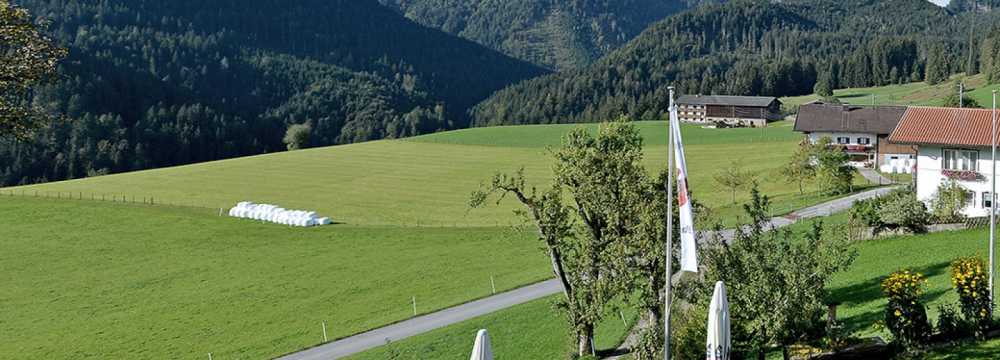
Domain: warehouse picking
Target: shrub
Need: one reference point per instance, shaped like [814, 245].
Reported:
[950, 325]
[970, 279]
[688, 337]
[898, 209]
[949, 201]
[902, 209]
[905, 315]
[867, 212]
[297, 136]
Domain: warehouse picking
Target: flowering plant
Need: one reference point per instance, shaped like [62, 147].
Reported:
[963, 175]
[905, 315]
[969, 278]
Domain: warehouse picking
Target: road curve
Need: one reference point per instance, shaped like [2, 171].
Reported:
[401, 330]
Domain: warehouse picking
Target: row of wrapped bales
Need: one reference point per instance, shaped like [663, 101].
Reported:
[277, 215]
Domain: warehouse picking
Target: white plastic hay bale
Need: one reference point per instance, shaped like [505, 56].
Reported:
[323, 221]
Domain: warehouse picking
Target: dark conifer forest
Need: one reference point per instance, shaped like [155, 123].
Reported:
[557, 34]
[150, 84]
[750, 48]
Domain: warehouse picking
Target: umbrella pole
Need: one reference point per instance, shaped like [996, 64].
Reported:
[670, 230]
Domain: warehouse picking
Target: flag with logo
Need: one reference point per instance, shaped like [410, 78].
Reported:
[689, 256]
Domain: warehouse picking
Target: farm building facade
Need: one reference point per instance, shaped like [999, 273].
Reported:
[752, 111]
[954, 144]
[861, 131]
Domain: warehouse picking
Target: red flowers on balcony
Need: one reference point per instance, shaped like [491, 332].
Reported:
[963, 175]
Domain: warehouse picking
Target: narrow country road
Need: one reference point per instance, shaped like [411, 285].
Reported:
[824, 209]
[395, 332]
[378, 337]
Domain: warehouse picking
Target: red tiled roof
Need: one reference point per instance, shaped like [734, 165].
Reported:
[944, 126]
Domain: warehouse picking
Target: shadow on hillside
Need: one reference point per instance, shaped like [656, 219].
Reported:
[869, 291]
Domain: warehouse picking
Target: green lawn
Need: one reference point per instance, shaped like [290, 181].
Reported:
[528, 331]
[917, 93]
[986, 350]
[426, 181]
[931, 254]
[86, 279]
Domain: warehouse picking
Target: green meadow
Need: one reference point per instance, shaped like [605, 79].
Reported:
[84, 279]
[426, 181]
[128, 280]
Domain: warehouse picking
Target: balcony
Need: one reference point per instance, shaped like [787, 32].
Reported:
[854, 148]
[964, 175]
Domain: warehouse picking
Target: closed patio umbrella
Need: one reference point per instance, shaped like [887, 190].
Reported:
[482, 349]
[719, 338]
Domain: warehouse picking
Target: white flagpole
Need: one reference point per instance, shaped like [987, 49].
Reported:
[993, 194]
[670, 229]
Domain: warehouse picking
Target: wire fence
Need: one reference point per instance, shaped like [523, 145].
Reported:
[122, 198]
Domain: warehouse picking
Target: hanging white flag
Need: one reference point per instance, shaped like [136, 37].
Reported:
[689, 256]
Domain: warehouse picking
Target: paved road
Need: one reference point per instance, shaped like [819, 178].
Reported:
[874, 176]
[824, 209]
[378, 337]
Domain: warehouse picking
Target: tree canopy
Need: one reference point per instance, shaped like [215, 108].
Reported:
[27, 58]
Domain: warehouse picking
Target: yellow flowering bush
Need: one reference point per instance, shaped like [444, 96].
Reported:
[970, 278]
[905, 315]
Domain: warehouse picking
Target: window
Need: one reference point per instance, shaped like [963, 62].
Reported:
[864, 141]
[987, 200]
[960, 160]
[843, 140]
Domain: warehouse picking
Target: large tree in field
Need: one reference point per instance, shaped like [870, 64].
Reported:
[586, 219]
[27, 58]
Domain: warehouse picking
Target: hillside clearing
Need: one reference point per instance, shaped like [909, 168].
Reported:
[916, 93]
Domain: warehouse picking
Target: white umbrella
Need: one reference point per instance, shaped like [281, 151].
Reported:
[482, 349]
[719, 345]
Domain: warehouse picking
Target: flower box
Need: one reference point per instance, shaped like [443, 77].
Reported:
[963, 175]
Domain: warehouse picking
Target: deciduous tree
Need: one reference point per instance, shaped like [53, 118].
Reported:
[735, 177]
[586, 218]
[27, 58]
[776, 281]
[800, 168]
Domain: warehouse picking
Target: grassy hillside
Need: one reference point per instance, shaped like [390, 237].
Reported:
[917, 93]
[115, 281]
[183, 281]
[426, 180]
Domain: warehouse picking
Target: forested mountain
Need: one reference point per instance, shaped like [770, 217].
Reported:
[559, 34]
[152, 83]
[748, 48]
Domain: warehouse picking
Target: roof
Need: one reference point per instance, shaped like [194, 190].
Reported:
[822, 117]
[944, 126]
[754, 101]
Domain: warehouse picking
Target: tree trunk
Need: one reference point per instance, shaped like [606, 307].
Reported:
[784, 352]
[584, 337]
[557, 269]
[762, 355]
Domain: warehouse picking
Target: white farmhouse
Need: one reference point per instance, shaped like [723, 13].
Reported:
[952, 144]
[860, 131]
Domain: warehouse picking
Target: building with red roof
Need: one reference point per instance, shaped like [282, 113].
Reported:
[953, 144]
